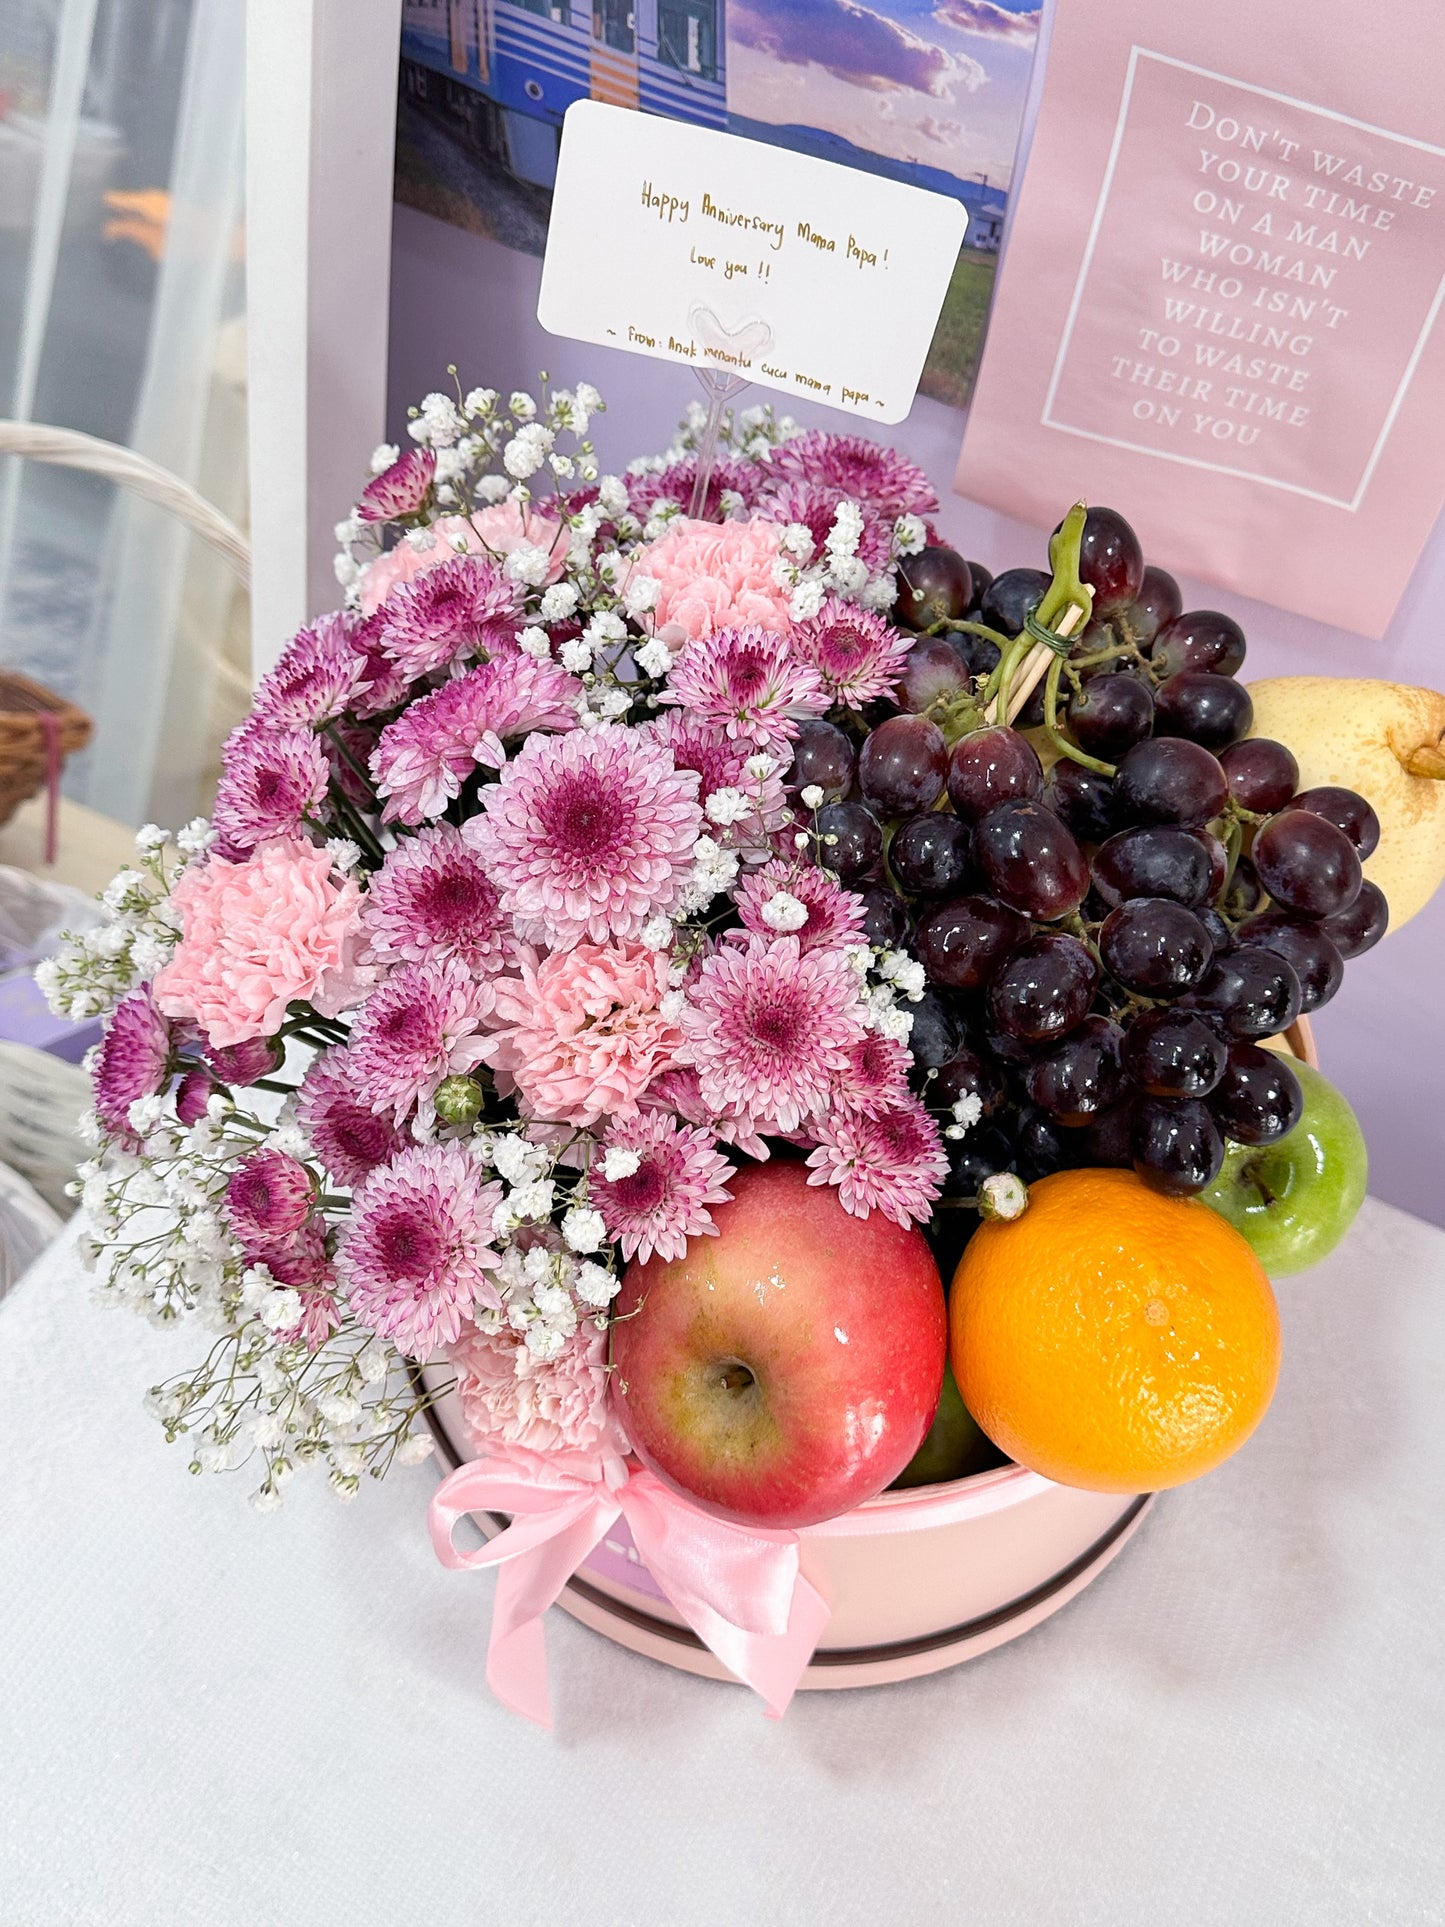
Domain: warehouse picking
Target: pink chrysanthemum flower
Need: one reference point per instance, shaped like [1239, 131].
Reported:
[767, 1029]
[858, 655]
[834, 915]
[716, 575]
[749, 682]
[816, 506]
[348, 1137]
[421, 1024]
[721, 762]
[511, 1397]
[132, 1060]
[400, 489]
[193, 1094]
[588, 835]
[272, 779]
[877, 478]
[414, 1259]
[894, 1163]
[678, 1092]
[268, 1200]
[301, 1261]
[875, 1078]
[463, 607]
[582, 1033]
[431, 749]
[318, 674]
[675, 484]
[433, 898]
[663, 1202]
[381, 685]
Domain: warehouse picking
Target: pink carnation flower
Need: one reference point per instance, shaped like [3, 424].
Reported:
[510, 1397]
[400, 489]
[716, 576]
[835, 916]
[415, 1256]
[497, 530]
[275, 929]
[877, 479]
[318, 674]
[750, 683]
[582, 1034]
[588, 835]
[462, 607]
[272, 780]
[421, 1024]
[431, 749]
[433, 898]
[767, 1029]
[131, 1061]
[859, 655]
[348, 1137]
[893, 1162]
[663, 1202]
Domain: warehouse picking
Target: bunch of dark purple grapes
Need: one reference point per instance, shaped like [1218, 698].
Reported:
[1107, 942]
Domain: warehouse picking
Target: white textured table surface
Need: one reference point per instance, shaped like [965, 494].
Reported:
[222, 1720]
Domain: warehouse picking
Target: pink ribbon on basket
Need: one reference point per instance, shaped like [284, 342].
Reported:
[739, 1587]
[50, 731]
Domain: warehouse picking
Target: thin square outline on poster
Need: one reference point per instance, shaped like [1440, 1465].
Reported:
[1047, 419]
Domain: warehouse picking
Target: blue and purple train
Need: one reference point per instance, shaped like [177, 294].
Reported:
[507, 70]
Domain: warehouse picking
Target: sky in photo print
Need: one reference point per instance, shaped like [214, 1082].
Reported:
[940, 82]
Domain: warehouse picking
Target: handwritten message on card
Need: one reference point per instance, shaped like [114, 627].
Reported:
[694, 246]
[1220, 308]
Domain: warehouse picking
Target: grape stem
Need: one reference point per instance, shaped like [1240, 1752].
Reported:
[1051, 724]
[1064, 606]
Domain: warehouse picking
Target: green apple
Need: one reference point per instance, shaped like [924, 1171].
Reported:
[1295, 1199]
[954, 1447]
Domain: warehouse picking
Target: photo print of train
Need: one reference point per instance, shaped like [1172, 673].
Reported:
[925, 91]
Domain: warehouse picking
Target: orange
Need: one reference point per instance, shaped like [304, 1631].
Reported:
[1113, 1338]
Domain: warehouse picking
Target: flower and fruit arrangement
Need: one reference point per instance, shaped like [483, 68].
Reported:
[665, 924]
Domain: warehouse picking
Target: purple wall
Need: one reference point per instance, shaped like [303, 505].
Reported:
[458, 297]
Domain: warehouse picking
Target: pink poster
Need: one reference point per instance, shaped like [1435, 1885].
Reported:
[1220, 307]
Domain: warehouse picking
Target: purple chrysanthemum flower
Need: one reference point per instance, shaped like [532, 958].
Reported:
[722, 763]
[750, 682]
[132, 1060]
[875, 1078]
[894, 1162]
[268, 1200]
[422, 1023]
[271, 781]
[414, 1259]
[348, 1137]
[426, 755]
[400, 489]
[382, 684]
[815, 505]
[461, 607]
[859, 655]
[767, 1029]
[675, 484]
[433, 898]
[878, 479]
[241, 1064]
[319, 673]
[663, 1201]
[834, 916]
[588, 835]
[193, 1094]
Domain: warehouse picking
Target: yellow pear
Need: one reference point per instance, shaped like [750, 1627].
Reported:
[1387, 741]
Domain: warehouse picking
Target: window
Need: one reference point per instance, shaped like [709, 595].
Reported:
[613, 25]
[687, 36]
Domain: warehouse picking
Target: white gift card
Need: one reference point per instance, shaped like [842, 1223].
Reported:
[694, 246]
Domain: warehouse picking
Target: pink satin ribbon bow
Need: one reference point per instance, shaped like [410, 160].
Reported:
[738, 1587]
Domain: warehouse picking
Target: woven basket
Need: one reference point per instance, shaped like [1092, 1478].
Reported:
[38, 730]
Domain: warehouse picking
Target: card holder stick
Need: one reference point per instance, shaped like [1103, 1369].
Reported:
[750, 339]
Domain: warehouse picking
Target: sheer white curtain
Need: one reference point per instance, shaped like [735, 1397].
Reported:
[121, 291]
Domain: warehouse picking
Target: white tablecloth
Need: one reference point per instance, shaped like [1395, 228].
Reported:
[213, 1719]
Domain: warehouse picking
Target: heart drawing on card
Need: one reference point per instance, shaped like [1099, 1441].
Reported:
[747, 340]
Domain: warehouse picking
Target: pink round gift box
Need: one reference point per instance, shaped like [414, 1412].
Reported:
[918, 1580]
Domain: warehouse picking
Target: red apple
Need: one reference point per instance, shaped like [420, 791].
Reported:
[788, 1368]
